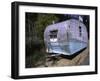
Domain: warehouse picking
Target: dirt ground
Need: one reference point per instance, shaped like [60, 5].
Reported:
[80, 59]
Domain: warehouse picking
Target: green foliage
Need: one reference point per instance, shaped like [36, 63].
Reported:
[36, 59]
[34, 40]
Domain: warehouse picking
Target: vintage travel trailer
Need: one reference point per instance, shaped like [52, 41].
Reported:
[67, 37]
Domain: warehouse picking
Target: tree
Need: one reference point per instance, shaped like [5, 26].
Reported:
[35, 26]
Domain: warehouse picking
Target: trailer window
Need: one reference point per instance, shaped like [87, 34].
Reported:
[80, 31]
[53, 35]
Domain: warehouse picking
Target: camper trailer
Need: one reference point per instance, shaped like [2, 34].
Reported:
[67, 37]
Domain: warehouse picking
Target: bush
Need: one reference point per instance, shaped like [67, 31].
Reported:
[35, 59]
[33, 46]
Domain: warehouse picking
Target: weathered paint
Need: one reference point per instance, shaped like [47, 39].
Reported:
[68, 39]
